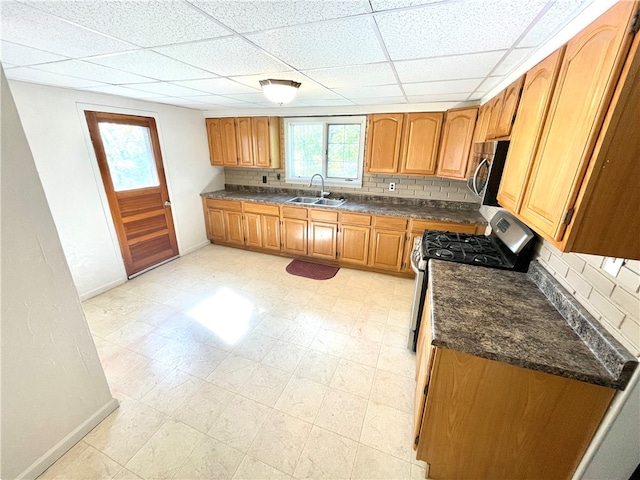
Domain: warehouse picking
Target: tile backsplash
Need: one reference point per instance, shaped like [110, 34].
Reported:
[614, 301]
[433, 188]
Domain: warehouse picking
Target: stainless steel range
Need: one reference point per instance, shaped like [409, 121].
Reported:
[510, 247]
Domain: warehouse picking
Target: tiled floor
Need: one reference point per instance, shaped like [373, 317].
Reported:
[226, 366]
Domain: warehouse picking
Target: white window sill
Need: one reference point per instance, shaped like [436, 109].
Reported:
[327, 183]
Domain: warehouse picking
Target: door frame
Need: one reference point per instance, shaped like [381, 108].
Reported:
[81, 108]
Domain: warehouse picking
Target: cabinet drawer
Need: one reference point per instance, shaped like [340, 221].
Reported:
[262, 208]
[421, 225]
[323, 215]
[390, 223]
[355, 219]
[223, 204]
[294, 212]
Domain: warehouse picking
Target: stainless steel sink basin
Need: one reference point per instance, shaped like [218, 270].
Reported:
[309, 200]
[329, 202]
[326, 202]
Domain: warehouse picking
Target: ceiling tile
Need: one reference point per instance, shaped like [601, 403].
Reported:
[122, 91]
[372, 74]
[328, 103]
[146, 24]
[33, 28]
[561, 13]
[243, 16]
[488, 84]
[456, 27]
[380, 5]
[8, 65]
[220, 86]
[512, 60]
[220, 100]
[165, 88]
[448, 68]
[224, 56]
[91, 71]
[449, 97]
[180, 102]
[380, 101]
[23, 56]
[438, 88]
[247, 97]
[153, 65]
[369, 92]
[29, 74]
[332, 44]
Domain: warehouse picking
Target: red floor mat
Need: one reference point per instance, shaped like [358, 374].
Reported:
[311, 270]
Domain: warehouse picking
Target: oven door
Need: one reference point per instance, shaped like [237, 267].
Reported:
[419, 290]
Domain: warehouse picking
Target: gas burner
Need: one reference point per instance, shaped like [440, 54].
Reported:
[483, 259]
[443, 253]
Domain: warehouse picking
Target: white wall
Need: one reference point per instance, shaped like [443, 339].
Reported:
[53, 387]
[56, 129]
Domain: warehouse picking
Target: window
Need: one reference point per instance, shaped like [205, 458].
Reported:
[332, 146]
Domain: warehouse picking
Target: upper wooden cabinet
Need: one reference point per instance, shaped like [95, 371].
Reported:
[503, 109]
[532, 112]
[244, 141]
[420, 140]
[494, 107]
[482, 124]
[455, 147]
[574, 197]
[383, 142]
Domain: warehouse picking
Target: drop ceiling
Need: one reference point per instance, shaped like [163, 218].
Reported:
[210, 55]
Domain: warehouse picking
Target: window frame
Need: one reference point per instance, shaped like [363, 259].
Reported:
[325, 121]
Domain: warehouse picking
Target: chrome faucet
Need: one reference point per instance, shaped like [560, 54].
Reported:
[322, 192]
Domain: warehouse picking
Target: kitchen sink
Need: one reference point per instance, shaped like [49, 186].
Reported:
[326, 202]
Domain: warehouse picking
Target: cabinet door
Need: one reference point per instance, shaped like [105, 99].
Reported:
[534, 104]
[585, 84]
[261, 144]
[495, 107]
[270, 232]
[482, 124]
[215, 225]
[354, 244]
[253, 230]
[420, 142]
[214, 135]
[383, 142]
[509, 107]
[323, 240]
[294, 236]
[229, 148]
[386, 249]
[244, 138]
[234, 231]
[456, 143]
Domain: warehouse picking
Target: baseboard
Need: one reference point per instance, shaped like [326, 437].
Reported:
[101, 289]
[54, 453]
[194, 248]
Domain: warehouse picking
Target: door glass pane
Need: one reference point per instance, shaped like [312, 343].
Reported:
[129, 156]
[306, 149]
[342, 151]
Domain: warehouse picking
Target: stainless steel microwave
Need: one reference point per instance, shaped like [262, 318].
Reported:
[485, 170]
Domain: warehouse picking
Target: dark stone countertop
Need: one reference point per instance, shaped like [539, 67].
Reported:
[437, 210]
[509, 317]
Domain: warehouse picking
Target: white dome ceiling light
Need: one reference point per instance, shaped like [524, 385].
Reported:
[279, 91]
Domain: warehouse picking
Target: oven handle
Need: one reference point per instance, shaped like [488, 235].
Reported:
[414, 255]
[475, 175]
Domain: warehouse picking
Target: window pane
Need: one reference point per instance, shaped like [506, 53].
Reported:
[306, 149]
[129, 156]
[343, 148]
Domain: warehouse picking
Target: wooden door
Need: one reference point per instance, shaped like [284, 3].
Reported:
[587, 77]
[386, 249]
[534, 104]
[244, 137]
[294, 236]
[261, 142]
[234, 228]
[495, 107]
[215, 225]
[354, 244]
[253, 230]
[482, 124]
[420, 142]
[128, 153]
[214, 135]
[270, 232]
[384, 132]
[229, 146]
[510, 102]
[323, 240]
[456, 143]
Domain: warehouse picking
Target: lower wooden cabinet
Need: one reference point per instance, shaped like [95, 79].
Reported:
[354, 244]
[234, 234]
[387, 243]
[323, 240]
[262, 226]
[294, 236]
[215, 224]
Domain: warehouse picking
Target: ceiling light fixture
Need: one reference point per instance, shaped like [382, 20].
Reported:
[279, 91]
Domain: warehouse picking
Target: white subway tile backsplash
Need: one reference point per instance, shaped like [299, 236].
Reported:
[628, 279]
[574, 261]
[630, 328]
[558, 265]
[579, 284]
[628, 302]
[606, 308]
[599, 280]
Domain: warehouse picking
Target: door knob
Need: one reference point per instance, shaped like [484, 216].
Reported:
[167, 203]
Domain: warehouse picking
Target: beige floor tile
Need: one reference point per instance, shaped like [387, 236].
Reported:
[174, 389]
[130, 333]
[326, 455]
[252, 469]
[265, 384]
[317, 366]
[395, 336]
[204, 406]
[254, 346]
[388, 430]
[400, 317]
[353, 378]
[301, 398]
[339, 322]
[300, 333]
[82, 462]
[280, 441]
[125, 474]
[138, 380]
[329, 342]
[195, 358]
[342, 413]
[239, 423]
[286, 309]
[347, 306]
[361, 350]
[122, 433]
[103, 322]
[313, 316]
[211, 459]
[166, 451]
[375, 313]
[232, 373]
[272, 326]
[105, 349]
[393, 390]
[368, 329]
[418, 472]
[398, 360]
[285, 356]
[374, 464]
